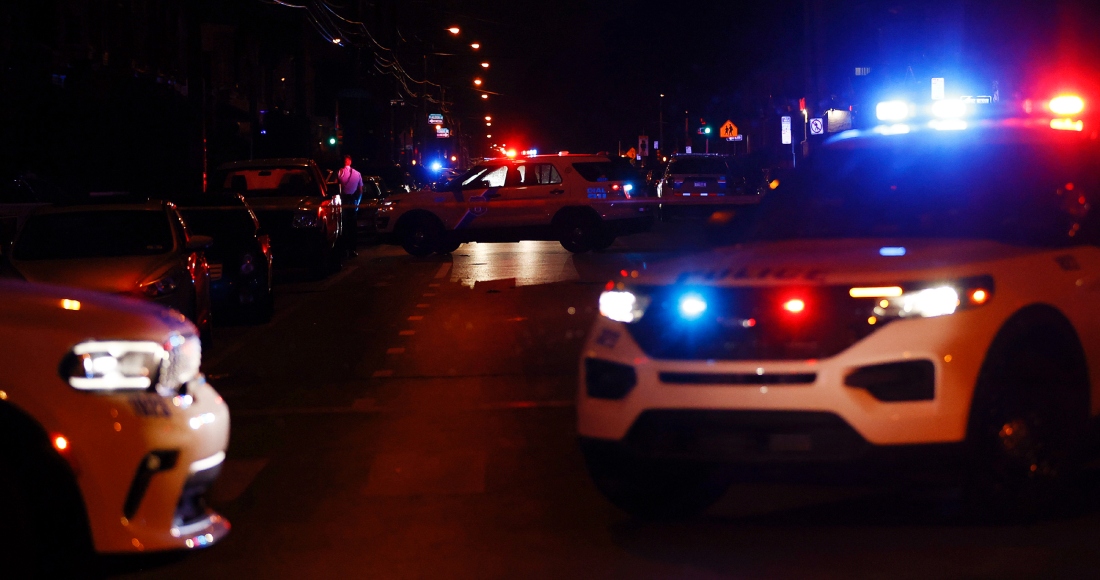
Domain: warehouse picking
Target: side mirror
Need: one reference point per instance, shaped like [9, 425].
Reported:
[200, 242]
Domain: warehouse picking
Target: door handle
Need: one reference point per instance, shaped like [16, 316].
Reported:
[557, 191]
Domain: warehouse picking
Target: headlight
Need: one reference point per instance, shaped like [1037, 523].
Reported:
[306, 218]
[622, 306]
[111, 365]
[937, 300]
[165, 285]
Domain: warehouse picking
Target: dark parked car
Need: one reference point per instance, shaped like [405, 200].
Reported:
[240, 257]
[134, 249]
[294, 205]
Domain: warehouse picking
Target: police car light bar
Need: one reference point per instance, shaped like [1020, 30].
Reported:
[1066, 105]
[948, 109]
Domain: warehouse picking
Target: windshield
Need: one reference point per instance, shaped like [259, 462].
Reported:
[267, 182]
[698, 166]
[94, 234]
[1015, 193]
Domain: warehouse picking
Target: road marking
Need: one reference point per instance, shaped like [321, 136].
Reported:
[406, 333]
[414, 318]
[443, 271]
[382, 373]
[395, 350]
[371, 410]
[423, 305]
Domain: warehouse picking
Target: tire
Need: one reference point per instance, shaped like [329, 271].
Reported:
[654, 489]
[579, 232]
[422, 235]
[1028, 426]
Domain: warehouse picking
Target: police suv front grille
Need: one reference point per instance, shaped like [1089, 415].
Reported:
[747, 379]
[750, 323]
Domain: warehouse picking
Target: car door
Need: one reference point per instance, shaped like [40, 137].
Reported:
[536, 192]
[480, 198]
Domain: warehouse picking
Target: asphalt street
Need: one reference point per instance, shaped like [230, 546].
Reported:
[414, 418]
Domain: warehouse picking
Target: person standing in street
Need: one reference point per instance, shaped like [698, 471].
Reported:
[351, 193]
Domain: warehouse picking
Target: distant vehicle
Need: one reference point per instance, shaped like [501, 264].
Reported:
[374, 193]
[116, 454]
[135, 249]
[701, 183]
[240, 257]
[21, 195]
[583, 201]
[917, 300]
[295, 207]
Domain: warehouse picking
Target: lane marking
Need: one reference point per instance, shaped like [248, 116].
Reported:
[395, 350]
[443, 269]
[406, 333]
[414, 318]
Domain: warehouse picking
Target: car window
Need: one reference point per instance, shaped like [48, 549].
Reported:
[606, 170]
[542, 174]
[268, 182]
[94, 234]
[495, 175]
[698, 166]
[1021, 194]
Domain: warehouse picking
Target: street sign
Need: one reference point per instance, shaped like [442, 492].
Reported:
[736, 138]
[442, 132]
[785, 124]
[937, 88]
[643, 145]
[435, 118]
[728, 130]
[816, 126]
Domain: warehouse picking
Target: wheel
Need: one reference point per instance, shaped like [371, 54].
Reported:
[422, 236]
[449, 247]
[1029, 421]
[579, 232]
[654, 489]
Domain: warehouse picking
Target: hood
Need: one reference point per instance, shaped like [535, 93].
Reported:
[827, 262]
[112, 275]
[35, 310]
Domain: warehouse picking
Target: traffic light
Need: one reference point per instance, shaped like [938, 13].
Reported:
[339, 136]
[332, 141]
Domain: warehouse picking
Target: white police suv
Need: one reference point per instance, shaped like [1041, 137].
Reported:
[583, 201]
[109, 434]
[920, 290]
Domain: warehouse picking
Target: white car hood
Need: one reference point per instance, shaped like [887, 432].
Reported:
[826, 262]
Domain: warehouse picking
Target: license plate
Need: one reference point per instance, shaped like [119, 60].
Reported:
[700, 184]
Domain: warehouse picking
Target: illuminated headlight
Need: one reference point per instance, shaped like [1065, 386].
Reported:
[114, 365]
[949, 109]
[692, 306]
[306, 218]
[922, 303]
[165, 285]
[622, 306]
[892, 111]
[628, 188]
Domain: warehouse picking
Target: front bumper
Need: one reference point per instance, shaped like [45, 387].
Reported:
[144, 465]
[780, 411]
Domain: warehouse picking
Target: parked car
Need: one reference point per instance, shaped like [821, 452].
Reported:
[583, 201]
[135, 249]
[702, 183]
[295, 207]
[116, 454]
[240, 258]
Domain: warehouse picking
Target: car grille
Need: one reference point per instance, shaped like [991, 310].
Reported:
[215, 272]
[192, 503]
[751, 324]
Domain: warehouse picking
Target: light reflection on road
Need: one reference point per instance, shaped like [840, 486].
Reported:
[528, 262]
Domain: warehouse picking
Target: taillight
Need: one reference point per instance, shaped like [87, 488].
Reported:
[265, 244]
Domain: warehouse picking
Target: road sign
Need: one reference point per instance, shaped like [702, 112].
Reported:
[937, 88]
[816, 126]
[728, 130]
[785, 124]
[442, 132]
[643, 145]
[736, 138]
[435, 118]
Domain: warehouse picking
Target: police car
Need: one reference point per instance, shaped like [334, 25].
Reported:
[109, 434]
[923, 289]
[583, 201]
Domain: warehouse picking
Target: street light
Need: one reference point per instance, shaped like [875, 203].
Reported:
[488, 118]
[454, 30]
[475, 45]
[484, 65]
[477, 82]
[484, 96]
